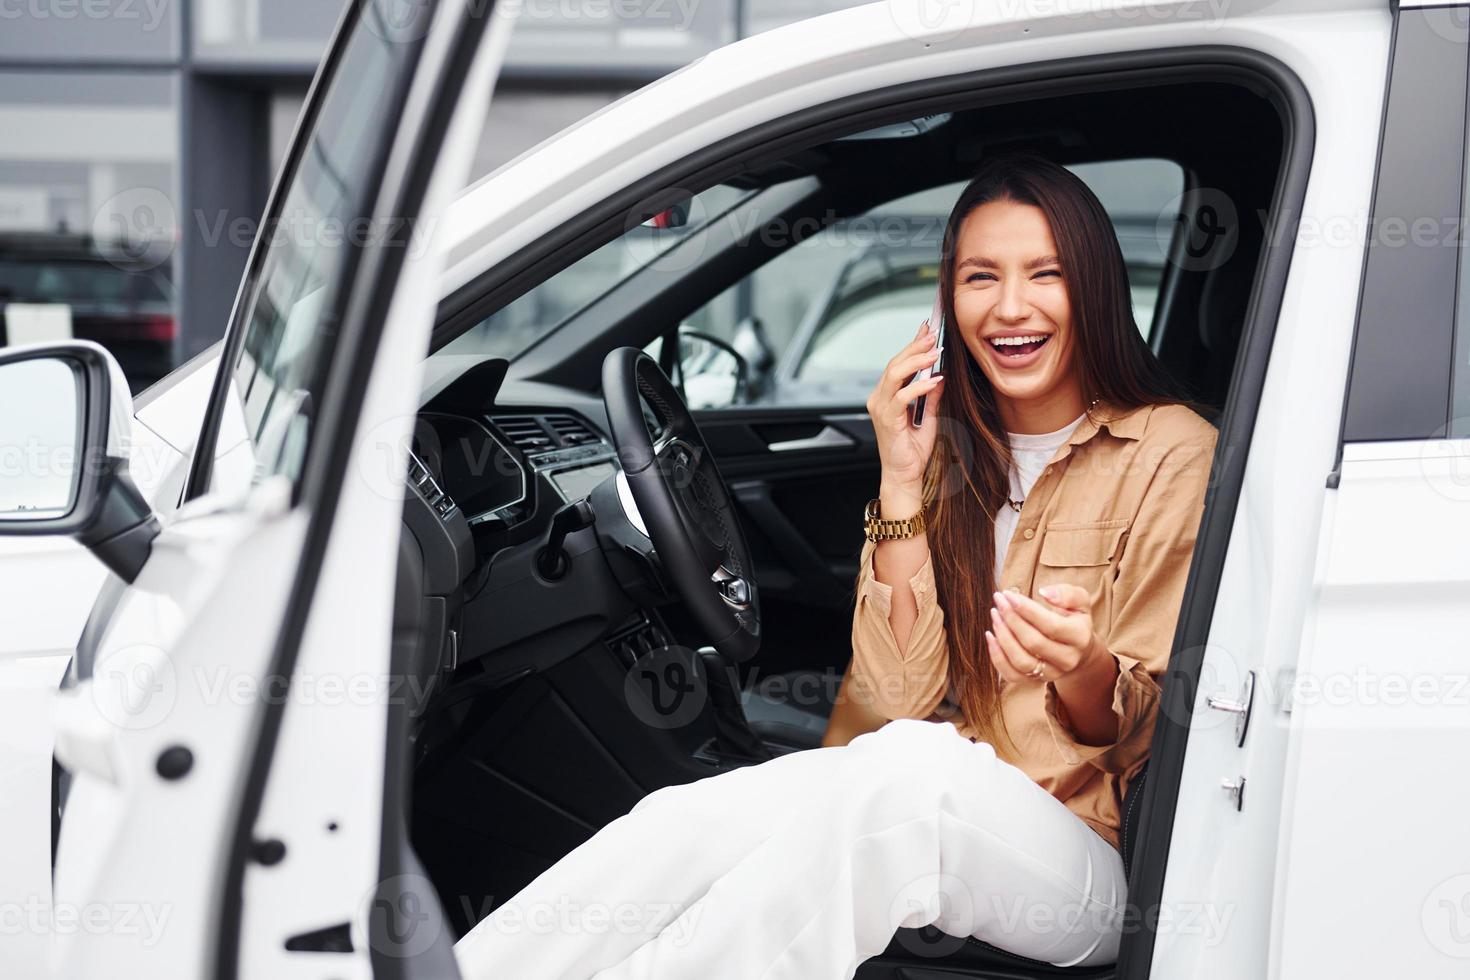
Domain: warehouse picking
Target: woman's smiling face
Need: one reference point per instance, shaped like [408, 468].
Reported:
[1013, 312]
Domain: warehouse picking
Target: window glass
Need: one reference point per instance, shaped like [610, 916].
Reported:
[277, 382]
[517, 325]
[1459, 427]
[818, 322]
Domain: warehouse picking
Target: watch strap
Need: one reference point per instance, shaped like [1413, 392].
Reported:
[878, 528]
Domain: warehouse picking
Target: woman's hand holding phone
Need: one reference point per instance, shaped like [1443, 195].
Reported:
[904, 450]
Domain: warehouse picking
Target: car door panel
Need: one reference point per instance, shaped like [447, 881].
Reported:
[177, 677]
[800, 477]
[798, 474]
[170, 743]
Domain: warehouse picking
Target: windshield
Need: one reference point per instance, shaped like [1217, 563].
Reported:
[514, 327]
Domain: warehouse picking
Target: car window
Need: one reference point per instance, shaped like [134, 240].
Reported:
[535, 314]
[276, 382]
[1459, 425]
[865, 318]
[817, 323]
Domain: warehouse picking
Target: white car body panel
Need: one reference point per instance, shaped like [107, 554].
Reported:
[50, 585]
[176, 655]
[1381, 706]
[325, 789]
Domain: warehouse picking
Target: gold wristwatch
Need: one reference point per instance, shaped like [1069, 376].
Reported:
[878, 529]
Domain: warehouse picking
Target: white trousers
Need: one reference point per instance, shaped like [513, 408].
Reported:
[804, 866]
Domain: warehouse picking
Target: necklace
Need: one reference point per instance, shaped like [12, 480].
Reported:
[1016, 505]
[1011, 476]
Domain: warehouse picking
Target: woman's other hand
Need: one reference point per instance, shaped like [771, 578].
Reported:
[903, 450]
[1031, 643]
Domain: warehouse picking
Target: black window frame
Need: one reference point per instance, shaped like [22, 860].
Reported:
[1400, 380]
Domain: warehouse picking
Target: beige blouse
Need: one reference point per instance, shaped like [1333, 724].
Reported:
[1116, 512]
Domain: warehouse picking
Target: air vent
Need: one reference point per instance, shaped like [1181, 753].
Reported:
[572, 431]
[525, 432]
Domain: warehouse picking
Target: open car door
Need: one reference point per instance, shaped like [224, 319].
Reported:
[208, 825]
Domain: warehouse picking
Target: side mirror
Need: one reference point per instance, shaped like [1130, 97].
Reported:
[64, 413]
[713, 372]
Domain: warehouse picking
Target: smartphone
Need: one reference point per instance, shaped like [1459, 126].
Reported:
[936, 322]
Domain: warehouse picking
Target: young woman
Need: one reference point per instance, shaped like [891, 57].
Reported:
[1023, 570]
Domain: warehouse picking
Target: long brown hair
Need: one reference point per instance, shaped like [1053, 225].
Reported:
[967, 478]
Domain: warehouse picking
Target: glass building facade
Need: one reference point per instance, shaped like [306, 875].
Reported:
[140, 135]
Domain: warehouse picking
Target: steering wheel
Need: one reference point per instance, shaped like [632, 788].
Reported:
[683, 501]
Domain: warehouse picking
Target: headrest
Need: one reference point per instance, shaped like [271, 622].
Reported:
[1222, 304]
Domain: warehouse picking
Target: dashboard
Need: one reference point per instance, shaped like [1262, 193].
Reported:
[506, 455]
[495, 468]
[490, 468]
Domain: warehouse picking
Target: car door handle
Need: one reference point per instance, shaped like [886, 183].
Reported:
[828, 438]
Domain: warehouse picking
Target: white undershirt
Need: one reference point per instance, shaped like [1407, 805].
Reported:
[1031, 453]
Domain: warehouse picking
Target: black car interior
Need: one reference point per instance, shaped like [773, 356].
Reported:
[588, 551]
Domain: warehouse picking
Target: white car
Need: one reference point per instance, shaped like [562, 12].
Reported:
[382, 634]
